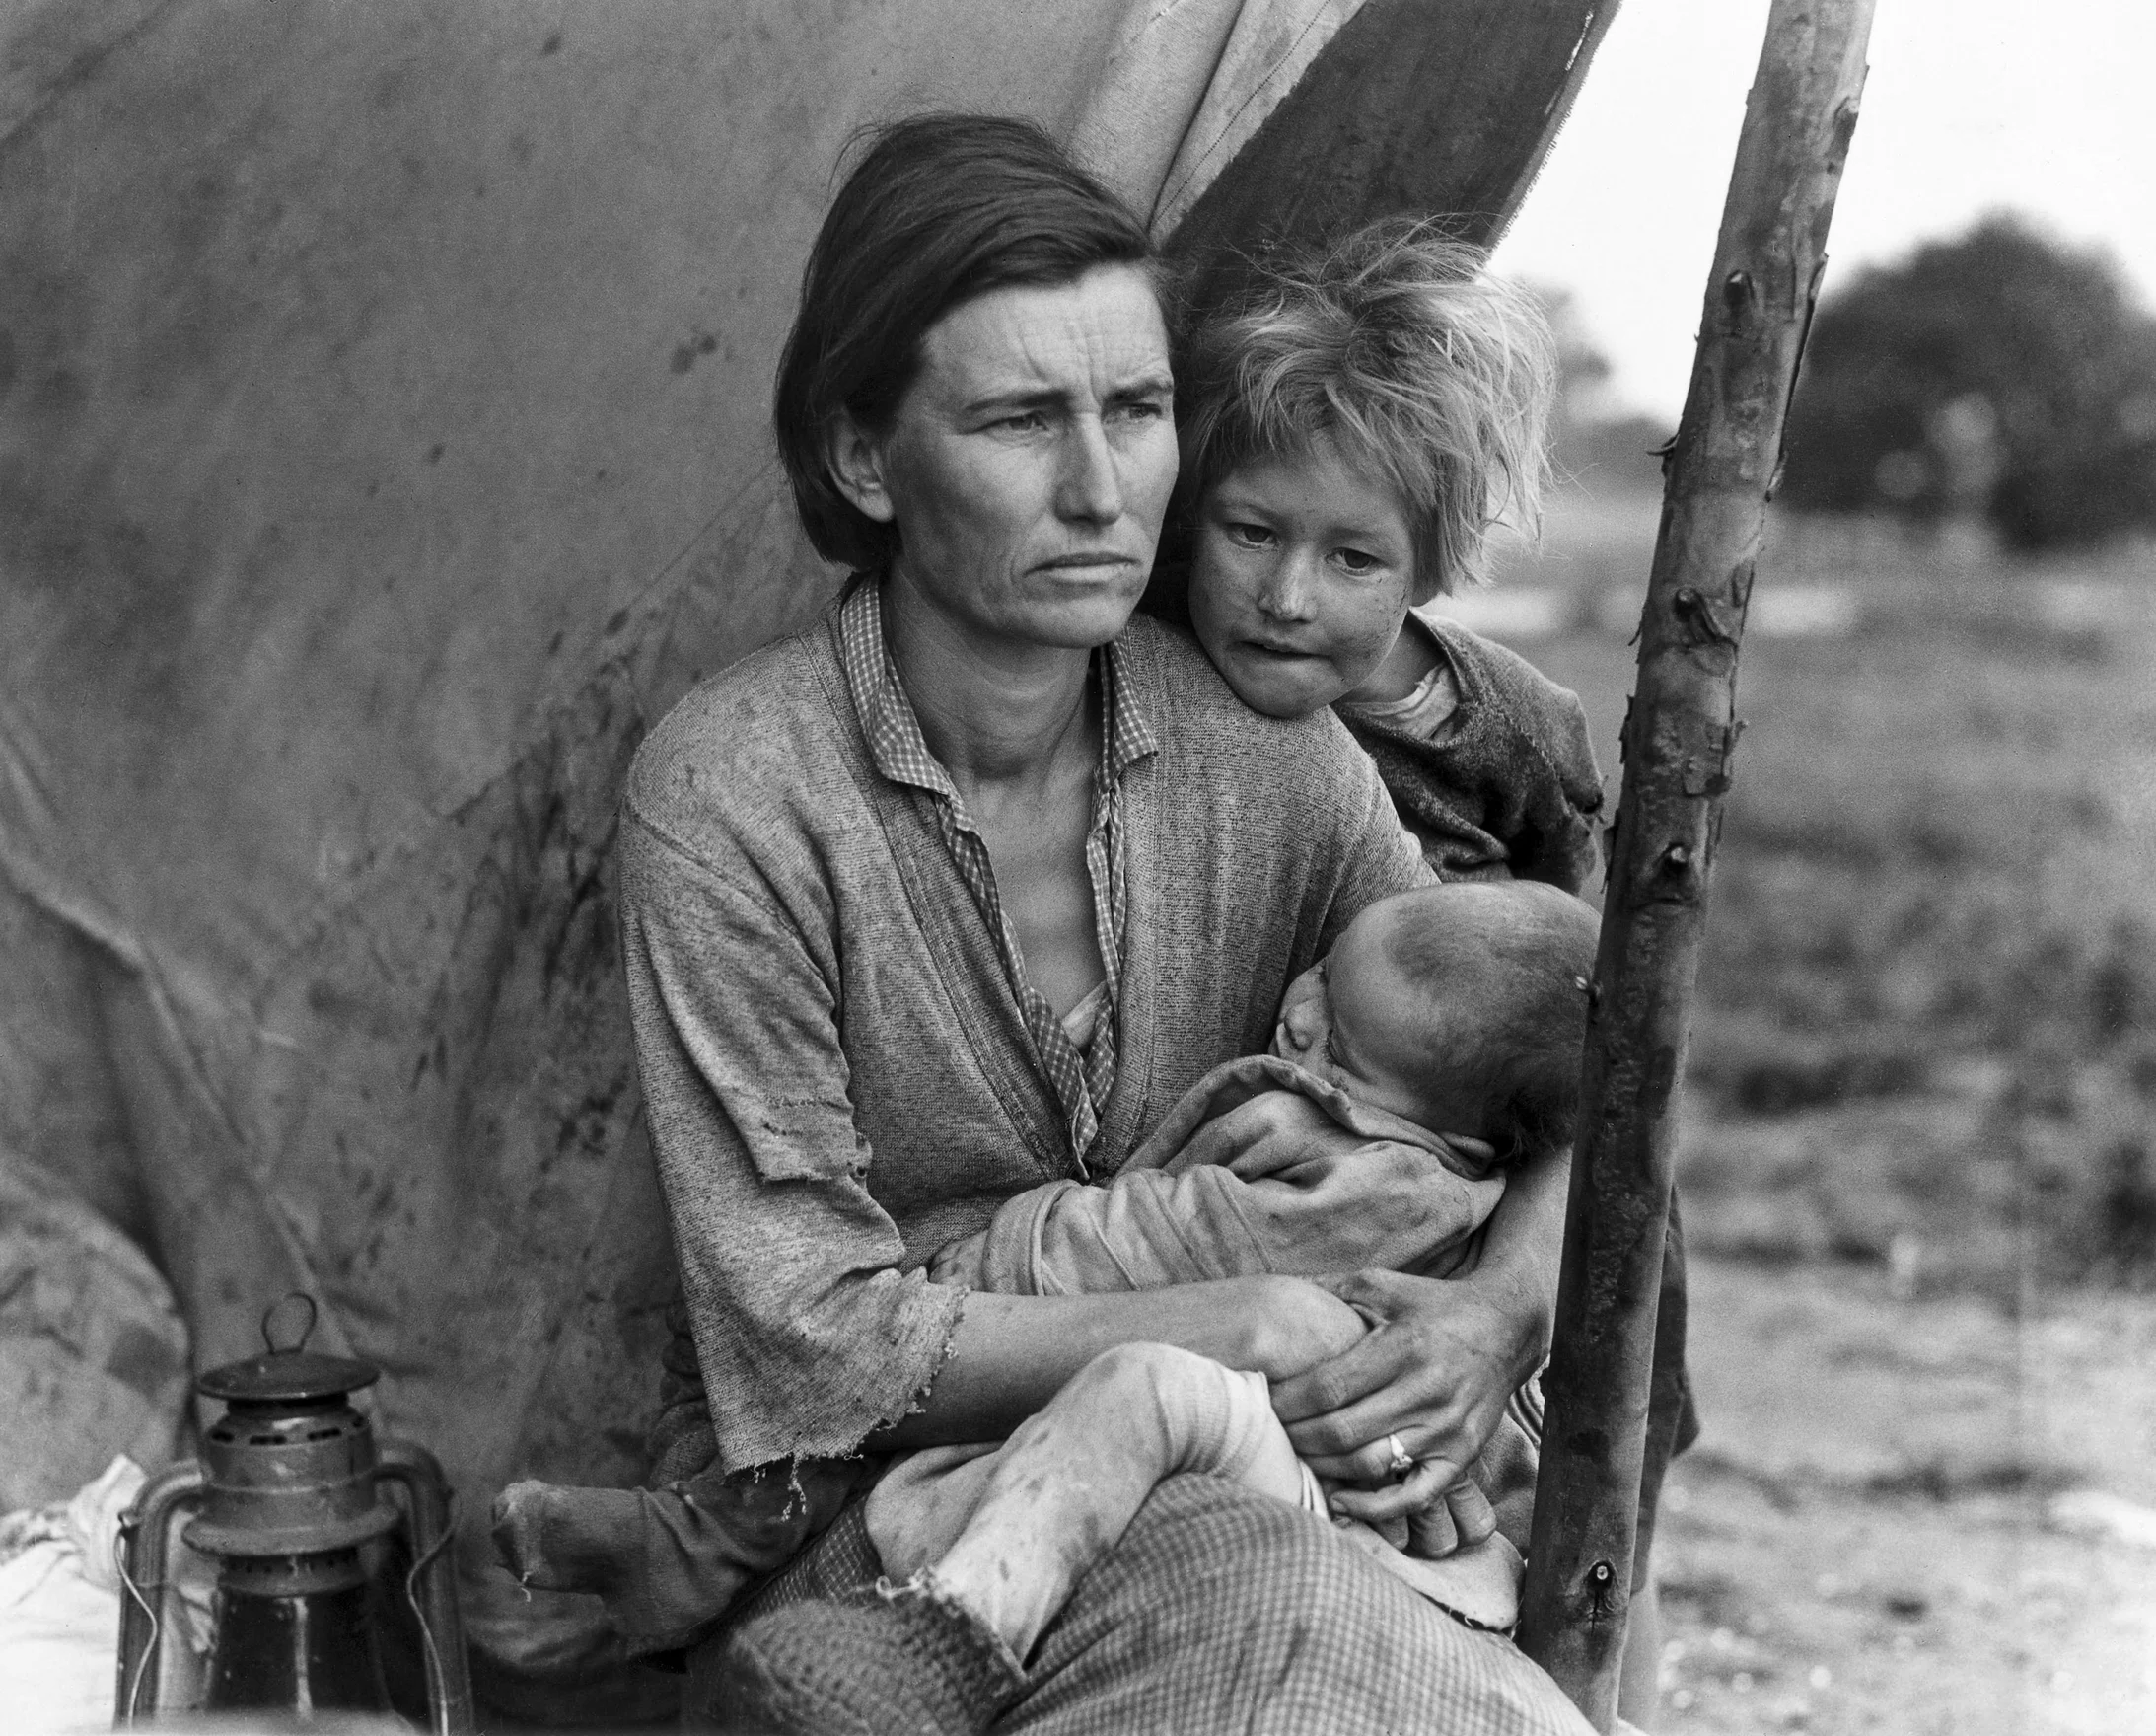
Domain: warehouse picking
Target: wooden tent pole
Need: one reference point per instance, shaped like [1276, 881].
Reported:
[1678, 740]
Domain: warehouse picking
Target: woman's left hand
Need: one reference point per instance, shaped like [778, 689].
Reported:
[1442, 1358]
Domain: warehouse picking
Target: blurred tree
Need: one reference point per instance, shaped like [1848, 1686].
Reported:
[1998, 377]
[1595, 442]
[1583, 371]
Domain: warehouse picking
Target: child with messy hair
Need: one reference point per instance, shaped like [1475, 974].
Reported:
[1352, 432]
[1437, 1044]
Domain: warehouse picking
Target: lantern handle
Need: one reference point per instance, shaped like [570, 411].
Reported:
[270, 1316]
[431, 1586]
[141, 1553]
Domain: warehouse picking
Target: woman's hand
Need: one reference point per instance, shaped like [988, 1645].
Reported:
[1436, 1369]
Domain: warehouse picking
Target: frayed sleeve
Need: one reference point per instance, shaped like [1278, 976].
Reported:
[808, 1336]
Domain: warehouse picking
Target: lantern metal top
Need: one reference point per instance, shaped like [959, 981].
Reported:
[288, 1373]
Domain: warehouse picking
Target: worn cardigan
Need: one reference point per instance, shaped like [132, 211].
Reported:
[1508, 785]
[838, 1077]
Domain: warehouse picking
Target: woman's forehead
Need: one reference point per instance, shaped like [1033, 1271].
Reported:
[1097, 335]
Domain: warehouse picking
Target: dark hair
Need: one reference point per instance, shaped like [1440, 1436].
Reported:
[1503, 966]
[941, 208]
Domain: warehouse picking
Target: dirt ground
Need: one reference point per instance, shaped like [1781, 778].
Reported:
[1926, 1039]
[1932, 1516]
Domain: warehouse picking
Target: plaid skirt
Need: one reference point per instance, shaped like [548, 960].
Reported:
[1222, 1613]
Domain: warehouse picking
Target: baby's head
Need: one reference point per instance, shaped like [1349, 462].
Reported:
[1350, 434]
[1460, 1007]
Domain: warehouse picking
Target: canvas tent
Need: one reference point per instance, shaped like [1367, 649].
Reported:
[384, 448]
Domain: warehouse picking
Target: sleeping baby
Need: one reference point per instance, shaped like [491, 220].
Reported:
[1437, 1043]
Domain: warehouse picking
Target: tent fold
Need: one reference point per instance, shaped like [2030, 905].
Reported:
[382, 449]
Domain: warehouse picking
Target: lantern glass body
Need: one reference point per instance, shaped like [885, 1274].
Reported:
[295, 1633]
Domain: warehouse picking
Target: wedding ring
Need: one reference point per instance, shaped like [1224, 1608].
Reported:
[1401, 1462]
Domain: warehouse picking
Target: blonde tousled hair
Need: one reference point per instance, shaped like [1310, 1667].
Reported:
[1412, 357]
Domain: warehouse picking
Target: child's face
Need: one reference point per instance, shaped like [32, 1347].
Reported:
[1301, 579]
[1354, 1020]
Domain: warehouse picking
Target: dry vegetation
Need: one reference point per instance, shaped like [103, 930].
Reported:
[1921, 1163]
[1929, 999]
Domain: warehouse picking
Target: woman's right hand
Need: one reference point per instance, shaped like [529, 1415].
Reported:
[1295, 1325]
[1431, 1379]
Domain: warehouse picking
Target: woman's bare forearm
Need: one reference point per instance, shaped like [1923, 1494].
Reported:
[1522, 1248]
[1011, 1355]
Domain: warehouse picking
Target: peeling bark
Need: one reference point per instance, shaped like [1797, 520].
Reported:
[1680, 739]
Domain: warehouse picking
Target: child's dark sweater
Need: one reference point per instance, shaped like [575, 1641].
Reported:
[1507, 782]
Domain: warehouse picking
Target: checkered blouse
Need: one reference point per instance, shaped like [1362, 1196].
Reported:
[1081, 1078]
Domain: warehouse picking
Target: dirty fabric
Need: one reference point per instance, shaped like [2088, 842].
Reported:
[1502, 781]
[1187, 84]
[839, 1079]
[1221, 1611]
[1345, 1187]
[1082, 1072]
[60, 1604]
[93, 1353]
[883, 1658]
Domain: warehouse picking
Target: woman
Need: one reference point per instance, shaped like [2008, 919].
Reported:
[958, 889]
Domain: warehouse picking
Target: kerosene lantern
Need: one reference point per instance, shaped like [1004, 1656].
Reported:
[287, 1493]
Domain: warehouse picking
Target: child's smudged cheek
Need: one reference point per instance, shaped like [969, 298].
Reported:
[1301, 578]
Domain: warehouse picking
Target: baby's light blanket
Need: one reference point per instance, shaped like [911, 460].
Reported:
[1262, 1167]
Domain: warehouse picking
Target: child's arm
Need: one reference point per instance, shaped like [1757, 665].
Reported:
[1558, 818]
[1508, 784]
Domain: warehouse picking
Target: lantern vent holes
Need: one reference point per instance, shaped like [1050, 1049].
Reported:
[285, 1431]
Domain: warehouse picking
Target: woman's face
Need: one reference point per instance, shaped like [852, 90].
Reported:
[1031, 461]
[1301, 579]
